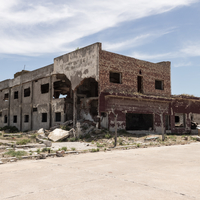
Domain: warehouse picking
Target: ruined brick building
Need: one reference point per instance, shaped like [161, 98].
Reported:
[93, 84]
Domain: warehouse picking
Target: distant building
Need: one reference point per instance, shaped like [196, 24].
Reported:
[89, 84]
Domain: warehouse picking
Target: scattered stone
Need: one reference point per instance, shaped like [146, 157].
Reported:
[41, 156]
[58, 134]
[60, 153]
[1, 162]
[185, 138]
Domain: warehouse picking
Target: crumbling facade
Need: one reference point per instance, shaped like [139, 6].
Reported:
[96, 85]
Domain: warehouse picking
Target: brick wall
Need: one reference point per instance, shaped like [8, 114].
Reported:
[130, 69]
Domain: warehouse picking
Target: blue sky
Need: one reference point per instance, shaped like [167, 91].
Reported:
[32, 33]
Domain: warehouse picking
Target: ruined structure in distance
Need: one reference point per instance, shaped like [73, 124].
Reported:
[89, 84]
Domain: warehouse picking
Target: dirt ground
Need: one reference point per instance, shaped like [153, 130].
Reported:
[14, 144]
[166, 172]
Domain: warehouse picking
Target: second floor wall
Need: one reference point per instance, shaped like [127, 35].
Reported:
[125, 75]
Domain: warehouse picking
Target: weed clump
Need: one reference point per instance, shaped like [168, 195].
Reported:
[17, 154]
[94, 150]
[23, 142]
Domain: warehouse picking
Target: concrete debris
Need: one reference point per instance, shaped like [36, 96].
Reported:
[60, 153]
[41, 156]
[1, 162]
[90, 129]
[197, 138]
[59, 134]
[97, 131]
[42, 136]
[46, 142]
[41, 131]
[67, 123]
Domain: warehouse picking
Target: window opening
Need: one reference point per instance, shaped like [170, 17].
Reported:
[0, 114]
[179, 120]
[58, 117]
[5, 119]
[27, 92]
[44, 117]
[140, 84]
[45, 88]
[16, 95]
[115, 77]
[6, 97]
[26, 118]
[34, 109]
[159, 85]
[15, 119]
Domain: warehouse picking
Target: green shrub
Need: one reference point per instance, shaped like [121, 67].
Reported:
[120, 141]
[33, 136]
[17, 154]
[100, 145]
[107, 136]
[73, 139]
[23, 142]
[138, 145]
[38, 151]
[64, 148]
[66, 128]
[45, 149]
[73, 148]
[12, 129]
[94, 150]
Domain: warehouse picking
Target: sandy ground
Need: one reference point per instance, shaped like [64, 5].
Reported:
[168, 172]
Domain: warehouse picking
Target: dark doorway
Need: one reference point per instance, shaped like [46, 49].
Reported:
[139, 121]
[139, 83]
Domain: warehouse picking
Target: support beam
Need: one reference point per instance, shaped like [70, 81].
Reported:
[74, 108]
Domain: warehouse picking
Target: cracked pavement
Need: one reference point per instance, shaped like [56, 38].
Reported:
[169, 172]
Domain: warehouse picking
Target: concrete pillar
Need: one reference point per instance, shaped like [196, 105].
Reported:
[74, 108]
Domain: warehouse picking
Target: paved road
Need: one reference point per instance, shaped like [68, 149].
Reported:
[154, 173]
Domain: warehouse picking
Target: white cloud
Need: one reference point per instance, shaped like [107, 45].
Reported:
[136, 41]
[182, 64]
[45, 26]
[191, 50]
[143, 56]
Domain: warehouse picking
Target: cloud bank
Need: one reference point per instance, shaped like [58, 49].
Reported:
[47, 26]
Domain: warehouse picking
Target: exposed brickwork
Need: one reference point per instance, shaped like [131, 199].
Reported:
[130, 69]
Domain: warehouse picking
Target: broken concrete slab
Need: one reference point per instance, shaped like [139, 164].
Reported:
[151, 138]
[58, 134]
[1, 162]
[41, 131]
